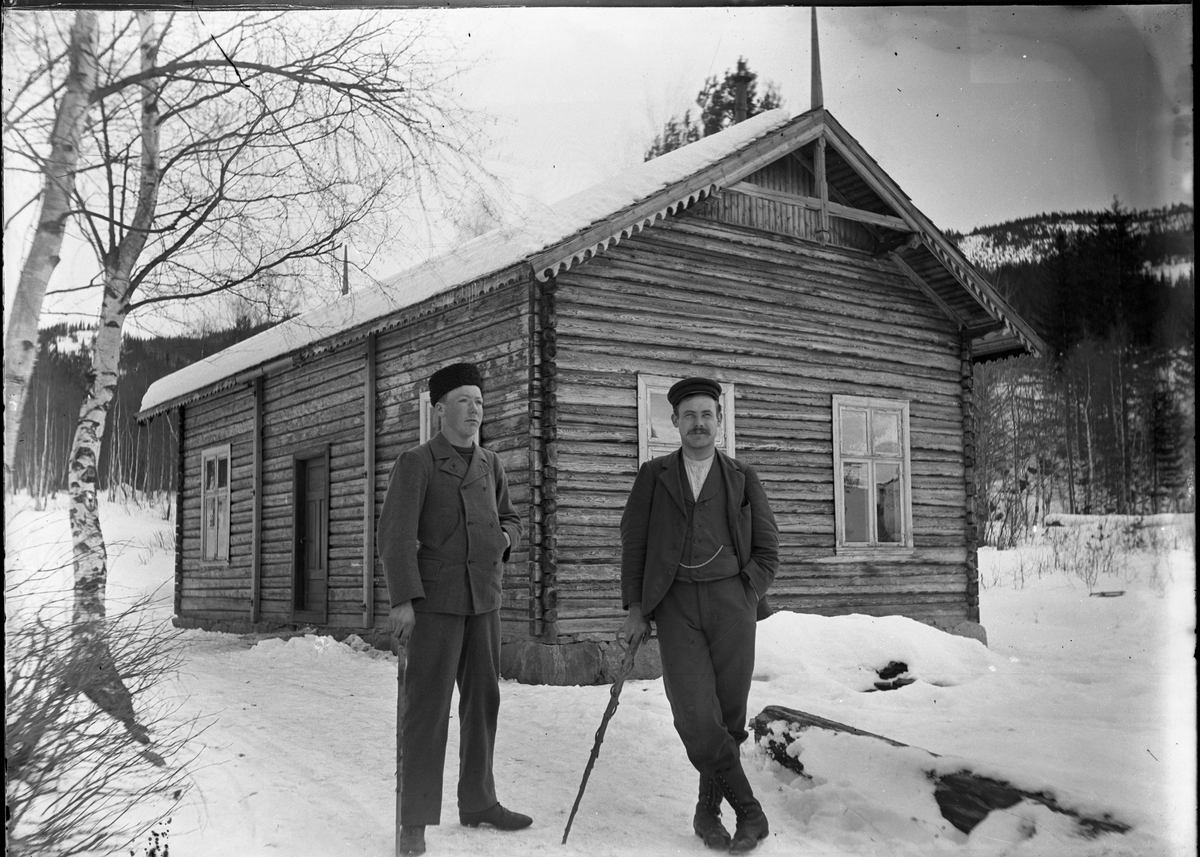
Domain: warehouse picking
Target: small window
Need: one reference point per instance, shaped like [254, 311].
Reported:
[656, 434]
[214, 504]
[871, 486]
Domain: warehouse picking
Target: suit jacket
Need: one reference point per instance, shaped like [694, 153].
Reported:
[441, 529]
[654, 528]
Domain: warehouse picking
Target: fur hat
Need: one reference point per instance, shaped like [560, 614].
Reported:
[692, 387]
[452, 377]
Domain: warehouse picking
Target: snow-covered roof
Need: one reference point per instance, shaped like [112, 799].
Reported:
[509, 248]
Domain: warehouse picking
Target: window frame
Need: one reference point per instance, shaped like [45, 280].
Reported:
[648, 447]
[872, 405]
[211, 453]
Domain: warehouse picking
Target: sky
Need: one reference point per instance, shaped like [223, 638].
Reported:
[981, 114]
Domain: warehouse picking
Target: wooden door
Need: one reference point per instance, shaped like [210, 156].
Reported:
[311, 575]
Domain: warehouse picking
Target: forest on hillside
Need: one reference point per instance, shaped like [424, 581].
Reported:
[138, 460]
[1103, 422]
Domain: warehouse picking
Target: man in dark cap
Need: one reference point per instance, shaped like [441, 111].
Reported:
[445, 531]
[699, 548]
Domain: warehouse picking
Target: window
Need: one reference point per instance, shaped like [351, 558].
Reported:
[214, 504]
[872, 496]
[656, 434]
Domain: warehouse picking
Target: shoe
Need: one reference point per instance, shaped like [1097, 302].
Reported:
[751, 821]
[497, 816]
[412, 839]
[707, 821]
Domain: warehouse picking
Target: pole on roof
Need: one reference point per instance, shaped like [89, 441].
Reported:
[741, 92]
[818, 97]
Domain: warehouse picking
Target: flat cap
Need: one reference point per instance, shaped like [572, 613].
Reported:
[692, 387]
[452, 377]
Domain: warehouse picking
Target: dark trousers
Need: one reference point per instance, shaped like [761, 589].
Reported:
[445, 649]
[706, 637]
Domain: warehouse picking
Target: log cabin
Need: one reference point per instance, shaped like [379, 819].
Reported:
[776, 256]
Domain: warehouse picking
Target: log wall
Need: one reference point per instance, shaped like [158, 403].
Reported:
[493, 331]
[307, 409]
[790, 323]
[738, 288]
[218, 591]
[319, 404]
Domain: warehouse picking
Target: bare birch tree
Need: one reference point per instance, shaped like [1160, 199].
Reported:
[58, 168]
[220, 149]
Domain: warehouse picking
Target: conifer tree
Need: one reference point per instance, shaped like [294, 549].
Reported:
[717, 101]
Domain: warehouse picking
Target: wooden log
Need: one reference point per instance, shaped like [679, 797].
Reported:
[964, 797]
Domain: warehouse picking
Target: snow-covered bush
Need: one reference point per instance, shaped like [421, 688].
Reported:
[1094, 547]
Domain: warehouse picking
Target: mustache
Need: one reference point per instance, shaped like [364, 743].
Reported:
[698, 431]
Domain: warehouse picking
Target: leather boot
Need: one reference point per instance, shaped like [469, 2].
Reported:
[707, 821]
[497, 816]
[751, 822]
[412, 839]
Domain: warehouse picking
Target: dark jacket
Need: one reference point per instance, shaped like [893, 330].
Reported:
[441, 529]
[654, 526]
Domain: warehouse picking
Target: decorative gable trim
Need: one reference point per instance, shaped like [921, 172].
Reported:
[594, 240]
[945, 252]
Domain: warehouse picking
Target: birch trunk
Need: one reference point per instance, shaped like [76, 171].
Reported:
[99, 674]
[91, 565]
[58, 188]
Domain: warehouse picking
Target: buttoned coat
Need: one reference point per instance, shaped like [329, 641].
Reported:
[654, 528]
[441, 529]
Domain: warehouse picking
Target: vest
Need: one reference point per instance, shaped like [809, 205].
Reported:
[708, 544]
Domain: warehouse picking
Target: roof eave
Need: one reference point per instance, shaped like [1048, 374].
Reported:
[933, 238]
[678, 196]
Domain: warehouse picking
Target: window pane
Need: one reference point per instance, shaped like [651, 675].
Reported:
[854, 432]
[661, 429]
[222, 539]
[210, 474]
[210, 527]
[885, 433]
[888, 516]
[857, 499]
[222, 472]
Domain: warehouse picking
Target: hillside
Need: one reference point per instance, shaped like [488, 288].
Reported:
[140, 456]
[1169, 235]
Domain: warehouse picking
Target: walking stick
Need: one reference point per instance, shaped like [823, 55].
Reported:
[613, 702]
[401, 652]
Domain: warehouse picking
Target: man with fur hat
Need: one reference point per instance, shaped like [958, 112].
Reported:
[445, 531]
[699, 548]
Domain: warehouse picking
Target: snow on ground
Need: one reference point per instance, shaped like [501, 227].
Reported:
[1089, 698]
